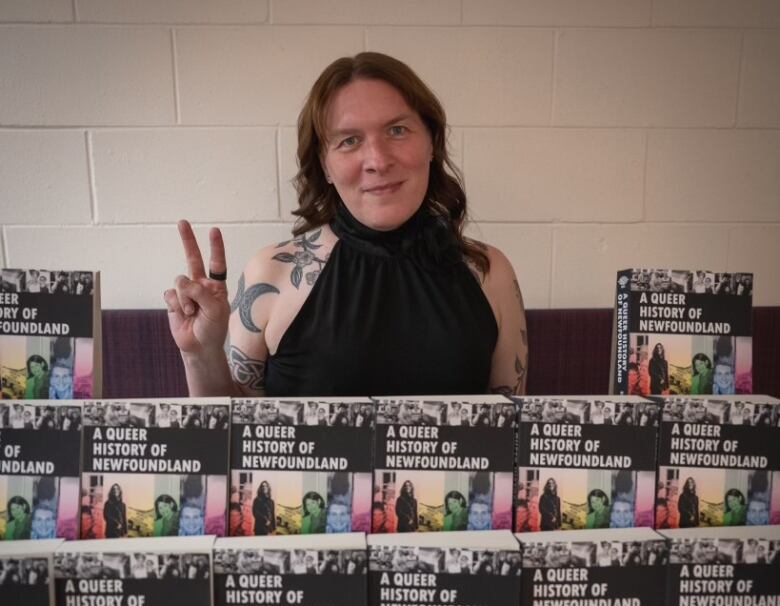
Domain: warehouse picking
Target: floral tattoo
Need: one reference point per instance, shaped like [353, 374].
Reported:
[302, 258]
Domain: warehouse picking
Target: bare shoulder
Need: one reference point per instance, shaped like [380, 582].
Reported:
[500, 272]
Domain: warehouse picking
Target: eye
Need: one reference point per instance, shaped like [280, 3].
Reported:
[350, 141]
[398, 130]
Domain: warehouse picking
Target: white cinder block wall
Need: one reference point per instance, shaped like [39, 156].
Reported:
[593, 134]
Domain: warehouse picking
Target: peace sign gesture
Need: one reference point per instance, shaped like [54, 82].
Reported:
[198, 308]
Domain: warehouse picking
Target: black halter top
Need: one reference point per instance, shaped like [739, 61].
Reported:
[392, 313]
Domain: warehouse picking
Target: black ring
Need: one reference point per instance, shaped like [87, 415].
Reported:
[215, 276]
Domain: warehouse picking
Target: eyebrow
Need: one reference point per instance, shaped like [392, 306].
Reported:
[347, 131]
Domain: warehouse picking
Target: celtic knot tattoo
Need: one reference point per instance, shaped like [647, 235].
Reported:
[246, 371]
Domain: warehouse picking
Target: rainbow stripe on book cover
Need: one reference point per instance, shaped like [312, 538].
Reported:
[134, 572]
[27, 572]
[718, 462]
[315, 570]
[443, 463]
[39, 469]
[300, 466]
[458, 568]
[585, 462]
[612, 567]
[154, 468]
[724, 566]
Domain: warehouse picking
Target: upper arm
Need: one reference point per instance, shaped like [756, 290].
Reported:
[250, 311]
[510, 357]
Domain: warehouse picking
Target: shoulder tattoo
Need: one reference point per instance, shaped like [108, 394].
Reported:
[244, 299]
[303, 258]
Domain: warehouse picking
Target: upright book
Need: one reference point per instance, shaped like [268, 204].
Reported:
[315, 570]
[613, 567]
[50, 334]
[682, 332]
[719, 462]
[40, 446]
[585, 462]
[300, 466]
[458, 568]
[443, 463]
[723, 566]
[134, 572]
[154, 468]
[27, 572]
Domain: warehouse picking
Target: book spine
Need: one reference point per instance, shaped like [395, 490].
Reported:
[621, 337]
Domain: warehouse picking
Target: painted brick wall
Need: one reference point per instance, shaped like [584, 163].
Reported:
[593, 134]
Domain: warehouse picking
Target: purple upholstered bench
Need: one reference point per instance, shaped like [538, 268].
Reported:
[569, 353]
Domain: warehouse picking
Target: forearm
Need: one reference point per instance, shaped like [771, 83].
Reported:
[208, 374]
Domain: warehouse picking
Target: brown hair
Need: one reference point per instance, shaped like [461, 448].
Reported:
[318, 200]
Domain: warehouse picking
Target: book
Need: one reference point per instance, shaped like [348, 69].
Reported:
[50, 334]
[612, 567]
[443, 463]
[315, 570]
[134, 572]
[27, 572]
[459, 568]
[155, 467]
[300, 466]
[40, 446]
[682, 332]
[718, 462]
[585, 462]
[723, 566]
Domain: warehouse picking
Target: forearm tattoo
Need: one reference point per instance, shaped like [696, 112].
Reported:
[303, 258]
[245, 298]
[519, 295]
[246, 371]
[508, 390]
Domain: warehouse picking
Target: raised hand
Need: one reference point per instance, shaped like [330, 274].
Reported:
[198, 307]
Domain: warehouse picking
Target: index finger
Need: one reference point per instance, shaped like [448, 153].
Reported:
[191, 251]
[217, 262]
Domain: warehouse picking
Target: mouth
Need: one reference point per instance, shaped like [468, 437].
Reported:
[383, 189]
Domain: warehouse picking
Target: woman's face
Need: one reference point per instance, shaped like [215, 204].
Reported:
[36, 369]
[596, 502]
[17, 511]
[116, 491]
[313, 506]
[690, 484]
[700, 365]
[659, 349]
[454, 505]
[378, 153]
[733, 502]
[164, 508]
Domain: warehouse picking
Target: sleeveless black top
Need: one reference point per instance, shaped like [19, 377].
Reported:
[392, 313]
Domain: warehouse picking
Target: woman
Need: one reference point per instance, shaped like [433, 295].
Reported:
[166, 517]
[115, 514]
[598, 509]
[314, 516]
[735, 509]
[455, 512]
[701, 382]
[688, 505]
[381, 210]
[19, 524]
[264, 510]
[659, 371]
[406, 508]
[37, 387]
[550, 506]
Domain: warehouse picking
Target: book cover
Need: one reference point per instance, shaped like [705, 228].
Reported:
[134, 572]
[315, 570]
[40, 446]
[724, 566]
[443, 463]
[50, 334]
[682, 332]
[300, 466]
[154, 468]
[718, 462]
[612, 567]
[459, 568]
[585, 462]
[27, 572]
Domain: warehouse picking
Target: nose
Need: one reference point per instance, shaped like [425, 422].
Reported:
[377, 156]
